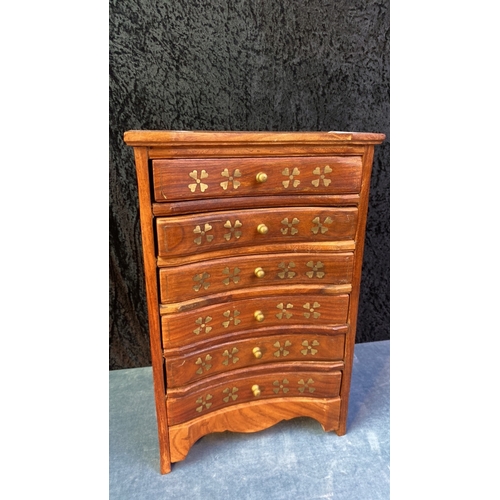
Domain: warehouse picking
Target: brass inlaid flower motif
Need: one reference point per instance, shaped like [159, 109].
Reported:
[306, 385]
[291, 177]
[286, 270]
[231, 318]
[231, 394]
[289, 225]
[283, 311]
[319, 227]
[311, 310]
[201, 281]
[309, 348]
[197, 181]
[315, 273]
[231, 179]
[203, 402]
[203, 234]
[230, 355]
[231, 275]
[280, 386]
[203, 325]
[233, 230]
[322, 176]
[203, 364]
[282, 348]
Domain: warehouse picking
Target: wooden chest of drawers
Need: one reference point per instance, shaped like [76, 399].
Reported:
[253, 248]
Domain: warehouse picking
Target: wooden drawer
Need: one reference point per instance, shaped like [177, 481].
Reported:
[205, 323]
[286, 380]
[185, 368]
[226, 275]
[188, 235]
[188, 179]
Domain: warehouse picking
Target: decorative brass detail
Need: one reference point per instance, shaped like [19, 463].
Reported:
[322, 176]
[257, 352]
[194, 176]
[258, 315]
[231, 275]
[280, 386]
[203, 233]
[305, 385]
[282, 348]
[259, 272]
[230, 318]
[319, 227]
[262, 229]
[231, 394]
[230, 355]
[315, 273]
[289, 225]
[202, 325]
[201, 281]
[286, 270]
[309, 349]
[261, 177]
[203, 364]
[283, 311]
[291, 177]
[231, 179]
[203, 402]
[311, 310]
[256, 390]
[233, 230]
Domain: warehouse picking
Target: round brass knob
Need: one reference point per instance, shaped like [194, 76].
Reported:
[258, 315]
[261, 177]
[259, 272]
[262, 229]
[257, 352]
[256, 390]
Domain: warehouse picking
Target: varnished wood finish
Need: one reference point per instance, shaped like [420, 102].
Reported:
[252, 280]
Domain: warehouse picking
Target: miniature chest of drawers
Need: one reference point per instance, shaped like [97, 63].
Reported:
[253, 248]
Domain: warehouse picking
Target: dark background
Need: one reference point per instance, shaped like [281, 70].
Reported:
[283, 65]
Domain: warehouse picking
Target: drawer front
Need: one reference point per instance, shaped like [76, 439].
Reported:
[187, 235]
[231, 390]
[187, 368]
[238, 316]
[226, 275]
[190, 179]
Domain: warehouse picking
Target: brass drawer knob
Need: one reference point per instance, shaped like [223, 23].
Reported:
[256, 390]
[259, 272]
[257, 352]
[261, 177]
[262, 229]
[258, 315]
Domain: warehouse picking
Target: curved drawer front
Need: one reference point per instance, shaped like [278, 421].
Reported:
[187, 368]
[187, 235]
[194, 401]
[226, 275]
[190, 179]
[209, 322]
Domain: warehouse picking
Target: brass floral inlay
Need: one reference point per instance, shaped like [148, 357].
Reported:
[319, 227]
[289, 225]
[203, 234]
[322, 176]
[233, 230]
[231, 318]
[201, 281]
[231, 275]
[309, 348]
[231, 394]
[230, 355]
[306, 385]
[231, 179]
[283, 311]
[315, 273]
[291, 177]
[204, 403]
[280, 386]
[202, 325]
[203, 364]
[282, 348]
[311, 308]
[202, 185]
[286, 270]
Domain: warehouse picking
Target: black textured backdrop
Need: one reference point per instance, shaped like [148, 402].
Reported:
[242, 65]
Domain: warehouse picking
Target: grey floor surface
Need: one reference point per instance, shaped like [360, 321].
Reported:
[293, 460]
